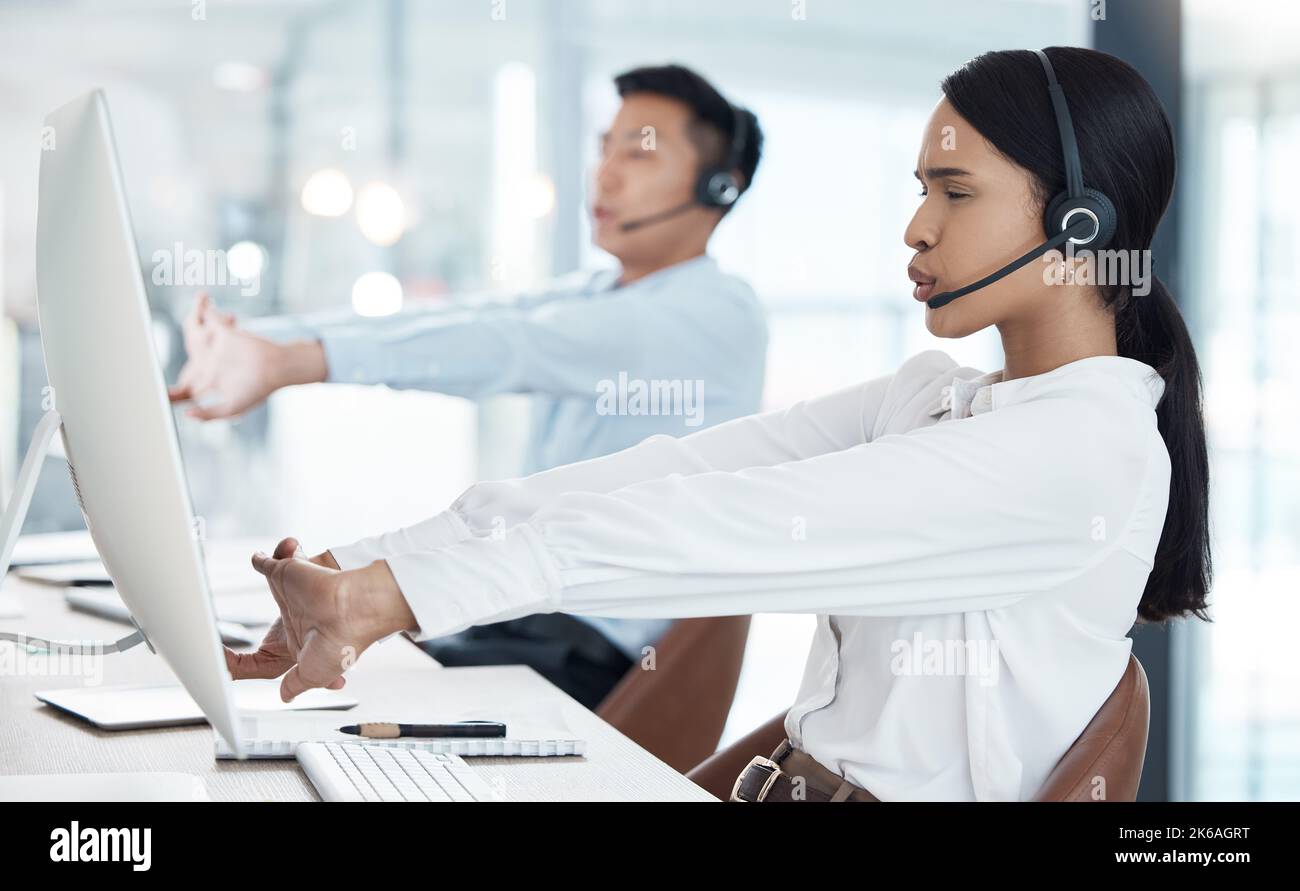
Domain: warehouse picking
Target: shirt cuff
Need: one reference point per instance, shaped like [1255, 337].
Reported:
[348, 359]
[439, 531]
[477, 581]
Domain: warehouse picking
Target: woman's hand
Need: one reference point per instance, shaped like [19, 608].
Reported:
[327, 619]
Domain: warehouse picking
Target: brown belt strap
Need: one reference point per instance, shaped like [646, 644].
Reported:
[792, 775]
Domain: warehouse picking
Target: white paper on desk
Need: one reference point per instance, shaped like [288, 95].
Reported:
[252, 608]
[11, 607]
[530, 731]
[133, 786]
[137, 706]
[228, 572]
[81, 572]
[226, 583]
[246, 607]
[53, 547]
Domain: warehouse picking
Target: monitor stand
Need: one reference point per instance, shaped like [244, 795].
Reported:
[12, 523]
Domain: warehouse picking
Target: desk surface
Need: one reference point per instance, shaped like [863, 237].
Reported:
[37, 739]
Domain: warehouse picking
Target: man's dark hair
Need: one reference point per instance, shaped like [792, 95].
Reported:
[711, 113]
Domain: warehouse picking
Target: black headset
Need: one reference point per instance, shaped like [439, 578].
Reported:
[1085, 217]
[716, 186]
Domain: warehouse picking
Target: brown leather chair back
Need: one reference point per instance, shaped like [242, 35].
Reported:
[1111, 748]
[677, 711]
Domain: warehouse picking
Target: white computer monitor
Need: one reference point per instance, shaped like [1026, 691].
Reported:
[117, 425]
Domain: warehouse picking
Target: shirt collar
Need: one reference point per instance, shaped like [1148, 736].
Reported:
[967, 396]
[607, 279]
[974, 394]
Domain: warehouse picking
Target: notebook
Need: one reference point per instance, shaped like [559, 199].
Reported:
[530, 736]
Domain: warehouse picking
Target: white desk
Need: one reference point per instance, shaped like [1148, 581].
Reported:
[388, 680]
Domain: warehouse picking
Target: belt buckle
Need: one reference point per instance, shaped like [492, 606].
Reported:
[760, 762]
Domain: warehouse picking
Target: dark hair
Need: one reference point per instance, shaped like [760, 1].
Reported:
[1126, 148]
[709, 109]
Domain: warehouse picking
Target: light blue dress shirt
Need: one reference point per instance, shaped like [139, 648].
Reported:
[606, 366]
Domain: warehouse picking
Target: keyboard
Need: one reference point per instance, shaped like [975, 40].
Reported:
[358, 772]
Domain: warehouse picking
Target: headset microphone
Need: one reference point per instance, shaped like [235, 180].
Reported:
[1056, 241]
[656, 217]
[1079, 215]
[716, 186]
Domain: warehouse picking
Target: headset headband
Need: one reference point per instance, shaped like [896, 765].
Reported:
[1064, 124]
[739, 136]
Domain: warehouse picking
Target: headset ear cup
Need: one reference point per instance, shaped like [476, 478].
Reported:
[717, 188]
[1107, 219]
[1053, 214]
[1092, 200]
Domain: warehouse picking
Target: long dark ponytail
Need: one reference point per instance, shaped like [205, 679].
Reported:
[1126, 147]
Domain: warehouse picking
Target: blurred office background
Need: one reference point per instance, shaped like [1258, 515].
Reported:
[371, 155]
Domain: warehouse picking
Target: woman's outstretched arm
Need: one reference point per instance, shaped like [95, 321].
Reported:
[815, 427]
[960, 516]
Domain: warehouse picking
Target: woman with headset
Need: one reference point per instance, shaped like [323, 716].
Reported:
[976, 546]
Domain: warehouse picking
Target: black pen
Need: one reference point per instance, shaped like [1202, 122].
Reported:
[460, 729]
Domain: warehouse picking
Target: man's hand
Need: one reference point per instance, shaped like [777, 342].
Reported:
[327, 619]
[228, 371]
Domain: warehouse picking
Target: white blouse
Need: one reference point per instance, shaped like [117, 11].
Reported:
[975, 550]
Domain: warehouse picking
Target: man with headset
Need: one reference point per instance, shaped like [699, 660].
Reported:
[668, 344]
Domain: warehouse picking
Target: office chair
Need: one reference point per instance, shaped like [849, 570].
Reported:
[1113, 746]
[677, 711]
[717, 774]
